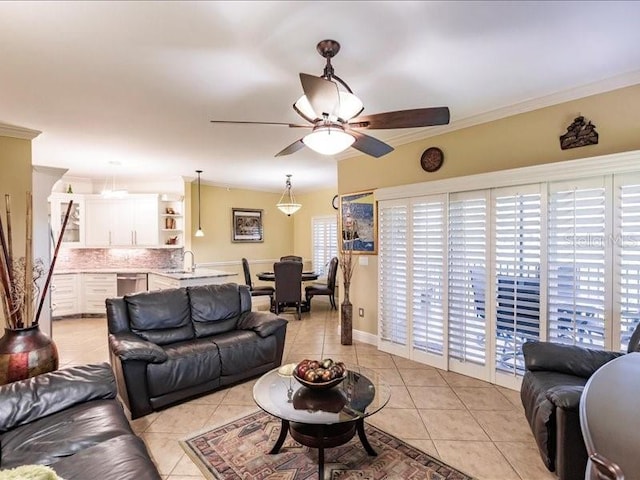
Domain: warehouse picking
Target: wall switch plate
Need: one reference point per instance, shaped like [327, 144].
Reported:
[361, 312]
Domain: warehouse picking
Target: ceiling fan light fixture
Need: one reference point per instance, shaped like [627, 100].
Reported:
[350, 106]
[303, 107]
[328, 139]
[287, 203]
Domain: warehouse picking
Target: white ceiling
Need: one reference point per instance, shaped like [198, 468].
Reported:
[138, 82]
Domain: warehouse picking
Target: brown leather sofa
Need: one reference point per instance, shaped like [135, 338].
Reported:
[551, 389]
[171, 345]
[71, 421]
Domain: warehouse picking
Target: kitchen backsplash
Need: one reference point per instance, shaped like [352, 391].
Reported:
[91, 258]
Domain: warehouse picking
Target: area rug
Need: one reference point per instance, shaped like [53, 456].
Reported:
[239, 450]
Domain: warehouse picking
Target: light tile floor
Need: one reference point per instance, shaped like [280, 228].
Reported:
[472, 425]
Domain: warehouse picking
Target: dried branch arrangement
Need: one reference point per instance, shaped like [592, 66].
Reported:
[346, 262]
[19, 277]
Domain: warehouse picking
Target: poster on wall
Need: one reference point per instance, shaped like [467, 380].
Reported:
[246, 225]
[358, 223]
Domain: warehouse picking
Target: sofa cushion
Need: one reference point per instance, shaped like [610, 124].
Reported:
[214, 308]
[243, 350]
[161, 317]
[188, 364]
[123, 457]
[64, 433]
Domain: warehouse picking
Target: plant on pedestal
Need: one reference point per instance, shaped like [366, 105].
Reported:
[24, 350]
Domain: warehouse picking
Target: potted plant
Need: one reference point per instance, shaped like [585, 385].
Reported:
[24, 350]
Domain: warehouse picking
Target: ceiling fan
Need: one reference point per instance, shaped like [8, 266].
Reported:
[333, 115]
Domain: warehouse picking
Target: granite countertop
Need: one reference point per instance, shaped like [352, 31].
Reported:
[198, 273]
[174, 273]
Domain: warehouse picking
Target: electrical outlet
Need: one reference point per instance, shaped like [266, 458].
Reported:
[361, 312]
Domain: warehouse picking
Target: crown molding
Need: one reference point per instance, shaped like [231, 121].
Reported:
[614, 83]
[14, 131]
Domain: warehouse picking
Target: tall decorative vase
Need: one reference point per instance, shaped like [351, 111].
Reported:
[25, 353]
[346, 319]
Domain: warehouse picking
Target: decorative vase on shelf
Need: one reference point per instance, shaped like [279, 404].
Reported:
[24, 353]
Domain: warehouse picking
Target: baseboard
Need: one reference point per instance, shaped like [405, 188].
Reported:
[365, 337]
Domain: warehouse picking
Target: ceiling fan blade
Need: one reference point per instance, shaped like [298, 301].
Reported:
[290, 125]
[322, 94]
[293, 148]
[369, 145]
[419, 117]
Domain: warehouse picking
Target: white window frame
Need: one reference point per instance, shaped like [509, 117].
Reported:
[328, 251]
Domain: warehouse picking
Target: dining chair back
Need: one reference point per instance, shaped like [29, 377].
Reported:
[258, 291]
[288, 276]
[328, 289]
[291, 258]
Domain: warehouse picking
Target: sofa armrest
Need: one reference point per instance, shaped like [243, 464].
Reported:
[27, 400]
[129, 346]
[569, 359]
[566, 397]
[263, 323]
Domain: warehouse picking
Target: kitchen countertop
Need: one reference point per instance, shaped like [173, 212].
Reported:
[198, 273]
[174, 273]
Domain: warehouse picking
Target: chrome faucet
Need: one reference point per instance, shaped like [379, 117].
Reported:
[193, 259]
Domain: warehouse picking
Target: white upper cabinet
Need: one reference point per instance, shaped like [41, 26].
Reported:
[130, 221]
[74, 233]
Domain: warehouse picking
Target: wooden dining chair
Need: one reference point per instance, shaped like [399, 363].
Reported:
[288, 286]
[258, 291]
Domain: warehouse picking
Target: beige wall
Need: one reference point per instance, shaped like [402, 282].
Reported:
[15, 179]
[216, 245]
[521, 140]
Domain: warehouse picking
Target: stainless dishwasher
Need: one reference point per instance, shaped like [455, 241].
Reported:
[129, 283]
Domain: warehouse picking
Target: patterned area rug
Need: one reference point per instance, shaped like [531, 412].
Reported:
[238, 450]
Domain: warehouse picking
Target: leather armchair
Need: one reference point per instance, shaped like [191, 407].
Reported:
[551, 390]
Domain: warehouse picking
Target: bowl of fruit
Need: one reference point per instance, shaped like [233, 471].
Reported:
[320, 374]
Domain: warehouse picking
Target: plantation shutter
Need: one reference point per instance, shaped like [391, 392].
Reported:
[324, 231]
[467, 276]
[517, 236]
[576, 262]
[428, 274]
[392, 274]
[627, 243]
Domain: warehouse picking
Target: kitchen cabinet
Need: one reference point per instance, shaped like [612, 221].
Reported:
[161, 282]
[96, 288]
[74, 235]
[124, 222]
[65, 294]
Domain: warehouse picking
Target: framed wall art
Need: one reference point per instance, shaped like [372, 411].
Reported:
[358, 223]
[246, 225]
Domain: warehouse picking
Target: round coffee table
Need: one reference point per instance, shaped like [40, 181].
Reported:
[322, 418]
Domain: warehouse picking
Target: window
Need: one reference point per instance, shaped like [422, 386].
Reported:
[392, 277]
[470, 275]
[516, 280]
[627, 243]
[576, 262]
[467, 277]
[324, 232]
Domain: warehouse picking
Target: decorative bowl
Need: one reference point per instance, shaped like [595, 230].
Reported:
[320, 385]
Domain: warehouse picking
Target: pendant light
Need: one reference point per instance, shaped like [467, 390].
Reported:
[287, 203]
[199, 232]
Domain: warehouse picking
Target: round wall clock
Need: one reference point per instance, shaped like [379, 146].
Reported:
[431, 159]
[334, 202]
